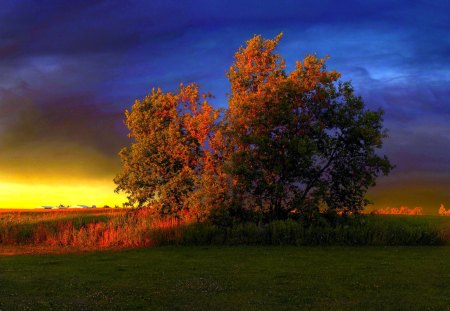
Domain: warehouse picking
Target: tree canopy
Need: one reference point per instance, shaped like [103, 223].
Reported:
[165, 163]
[288, 143]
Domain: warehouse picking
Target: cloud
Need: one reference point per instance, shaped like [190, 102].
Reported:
[69, 69]
[47, 126]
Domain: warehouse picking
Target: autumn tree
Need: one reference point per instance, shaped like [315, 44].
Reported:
[289, 143]
[300, 140]
[167, 163]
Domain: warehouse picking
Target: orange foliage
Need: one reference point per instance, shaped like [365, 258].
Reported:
[402, 210]
[442, 211]
[172, 157]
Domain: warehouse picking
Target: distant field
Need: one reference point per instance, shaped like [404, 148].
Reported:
[230, 278]
[33, 216]
[25, 215]
[61, 210]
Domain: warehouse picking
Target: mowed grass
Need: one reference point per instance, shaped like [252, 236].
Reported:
[231, 278]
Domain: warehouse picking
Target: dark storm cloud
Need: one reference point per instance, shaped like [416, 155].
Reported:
[68, 69]
[71, 118]
[75, 27]
[58, 135]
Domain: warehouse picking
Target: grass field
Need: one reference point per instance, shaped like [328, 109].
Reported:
[230, 278]
[22, 231]
[225, 271]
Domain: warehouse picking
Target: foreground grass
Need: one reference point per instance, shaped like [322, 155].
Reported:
[231, 278]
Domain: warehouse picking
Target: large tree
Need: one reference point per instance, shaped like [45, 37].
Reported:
[167, 163]
[301, 140]
[289, 143]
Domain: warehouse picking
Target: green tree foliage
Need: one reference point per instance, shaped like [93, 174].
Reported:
[289, 143]
[302, 139]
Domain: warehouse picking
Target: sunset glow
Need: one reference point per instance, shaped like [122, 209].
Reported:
[34, 195]
[64, 87]
[238, 154]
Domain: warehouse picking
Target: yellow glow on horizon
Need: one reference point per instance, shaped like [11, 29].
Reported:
[33, 195]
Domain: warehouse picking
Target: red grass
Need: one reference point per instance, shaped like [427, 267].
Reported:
[402, 210]
[81, 229]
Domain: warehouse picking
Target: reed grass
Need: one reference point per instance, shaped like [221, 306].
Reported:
[142, 228]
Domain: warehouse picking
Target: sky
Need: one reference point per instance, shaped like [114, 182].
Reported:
[68, 70]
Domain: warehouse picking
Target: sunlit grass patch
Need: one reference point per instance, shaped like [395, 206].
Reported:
[143, 228]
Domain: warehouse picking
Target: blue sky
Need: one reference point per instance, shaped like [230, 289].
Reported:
[68, 69]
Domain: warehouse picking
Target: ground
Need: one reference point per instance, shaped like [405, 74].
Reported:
[230, 278]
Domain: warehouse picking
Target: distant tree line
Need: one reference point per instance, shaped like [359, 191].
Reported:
[289, 144]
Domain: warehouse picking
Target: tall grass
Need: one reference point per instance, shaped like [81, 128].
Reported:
[367, 230]
[139, 228]
[80, 229]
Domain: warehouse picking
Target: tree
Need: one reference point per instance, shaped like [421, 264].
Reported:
[301, 140]
[289, 143]
[165, 165]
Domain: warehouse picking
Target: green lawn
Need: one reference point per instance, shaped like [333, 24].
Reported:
[230, 278]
